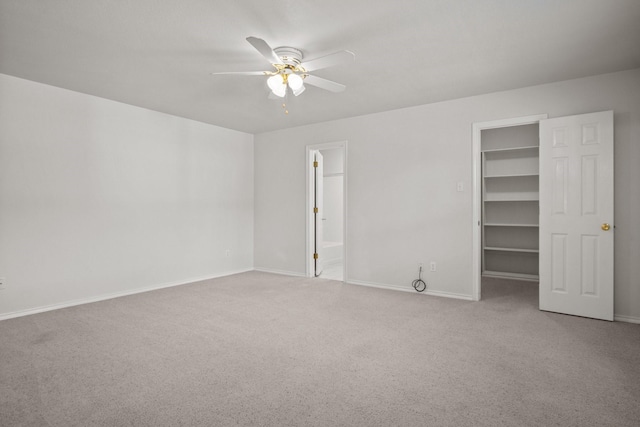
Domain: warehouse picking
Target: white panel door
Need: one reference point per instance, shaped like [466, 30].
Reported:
[576, 215]
[318, 212]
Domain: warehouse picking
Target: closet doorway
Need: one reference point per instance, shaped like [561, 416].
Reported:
[506, 205]
[326, 210]
[555, 176]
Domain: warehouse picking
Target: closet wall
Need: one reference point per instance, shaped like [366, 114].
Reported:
[510, 195]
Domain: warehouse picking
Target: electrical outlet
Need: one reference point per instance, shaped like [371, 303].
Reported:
[3, 283]
[460, 186]
[432, 266]
[227, 252]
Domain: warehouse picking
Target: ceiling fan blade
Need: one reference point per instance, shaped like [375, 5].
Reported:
[243, 73]
[324, 84]
[337, 58]
[265, 50]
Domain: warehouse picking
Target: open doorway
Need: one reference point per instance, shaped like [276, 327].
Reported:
[506, 201]
[326, 211]
[543, 207]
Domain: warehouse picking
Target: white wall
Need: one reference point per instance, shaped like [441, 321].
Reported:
[333, 208]
[333, 197]
[100, 198]
[403, 167]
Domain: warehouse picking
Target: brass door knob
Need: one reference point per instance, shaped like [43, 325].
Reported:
[606, 227]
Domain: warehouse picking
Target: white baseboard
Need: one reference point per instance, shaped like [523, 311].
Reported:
[283, 272]
[627, 319]
[410, 289]
[103, 297]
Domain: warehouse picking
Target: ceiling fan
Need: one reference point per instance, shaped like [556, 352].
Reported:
[290, 72]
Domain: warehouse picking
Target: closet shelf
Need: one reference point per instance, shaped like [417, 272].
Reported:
[509, 225]
[511, 200]
[514, 175]
[533, 197]
[502, 274]
[532, 251]
[528, 147]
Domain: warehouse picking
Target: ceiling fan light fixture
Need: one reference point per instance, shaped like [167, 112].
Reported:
[290, 72]
[277, 85]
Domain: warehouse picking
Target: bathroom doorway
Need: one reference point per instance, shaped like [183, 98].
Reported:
[326, 219]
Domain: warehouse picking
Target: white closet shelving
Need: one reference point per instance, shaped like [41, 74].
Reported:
[510, 195]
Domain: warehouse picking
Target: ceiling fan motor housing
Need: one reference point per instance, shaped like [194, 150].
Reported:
[289, 55]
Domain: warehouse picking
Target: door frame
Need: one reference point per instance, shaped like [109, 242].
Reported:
[477, 129]
[310, 204]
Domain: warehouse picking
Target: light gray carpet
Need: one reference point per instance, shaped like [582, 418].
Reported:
[267, 350]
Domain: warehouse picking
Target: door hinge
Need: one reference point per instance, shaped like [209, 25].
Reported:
[315, 164]
[315, 210]
[315, 256]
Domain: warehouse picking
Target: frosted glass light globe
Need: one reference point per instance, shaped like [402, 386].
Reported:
[277, 86]
[295, 83]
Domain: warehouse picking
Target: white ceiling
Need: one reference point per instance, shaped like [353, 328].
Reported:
[159, 54]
